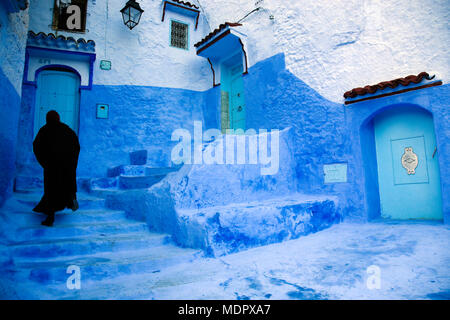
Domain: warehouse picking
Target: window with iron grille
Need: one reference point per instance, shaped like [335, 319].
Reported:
[179, 35]
[69, 15]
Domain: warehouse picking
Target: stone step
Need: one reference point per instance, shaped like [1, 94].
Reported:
[79, 229]
[88, 244]
[103, 265]
[139, 170]
[221, 230]
[142, 286]
[24, 183]
[33, 184]
[104, 183]
[85, 201]
[132, 182]
[27, 218]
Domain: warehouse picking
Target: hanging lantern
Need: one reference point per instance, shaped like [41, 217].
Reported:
[131, 14]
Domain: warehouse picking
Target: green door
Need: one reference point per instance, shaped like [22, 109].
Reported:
[59, 91]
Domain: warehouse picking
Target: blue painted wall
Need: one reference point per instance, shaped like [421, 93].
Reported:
[139, 118]
[276, 99]
[11, 66]
[324, 132]
[9, 115]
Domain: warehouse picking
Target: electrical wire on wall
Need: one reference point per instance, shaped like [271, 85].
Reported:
[106, 27]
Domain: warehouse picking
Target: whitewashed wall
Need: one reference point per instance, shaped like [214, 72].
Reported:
[13, 32]
[336, 45]
[331, 45]
[141, 56]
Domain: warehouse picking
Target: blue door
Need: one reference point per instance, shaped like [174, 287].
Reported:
[408, 169]
[233, 103]
[237, 105]
[57, 90]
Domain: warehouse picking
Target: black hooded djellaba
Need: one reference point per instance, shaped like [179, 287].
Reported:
[56, 147]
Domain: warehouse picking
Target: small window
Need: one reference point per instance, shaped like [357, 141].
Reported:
[70, 15]
[179, 35]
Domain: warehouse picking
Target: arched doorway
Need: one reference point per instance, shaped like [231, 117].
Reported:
[57, 89]
[407, 164]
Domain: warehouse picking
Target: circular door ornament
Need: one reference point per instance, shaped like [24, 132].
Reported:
[410, 160]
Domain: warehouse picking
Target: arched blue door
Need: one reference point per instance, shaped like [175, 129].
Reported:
[408, 169]
[57, 90]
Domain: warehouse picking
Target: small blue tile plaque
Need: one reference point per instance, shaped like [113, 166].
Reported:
[102, 111]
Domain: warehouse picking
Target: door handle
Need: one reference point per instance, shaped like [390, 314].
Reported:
[434, 152]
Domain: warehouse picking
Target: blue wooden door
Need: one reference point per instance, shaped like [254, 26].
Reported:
[57, 90]
[408, 169]
[237, 103]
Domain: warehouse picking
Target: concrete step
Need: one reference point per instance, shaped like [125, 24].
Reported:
[136, 182]
[85, 201]
[79, 229]
[104, 265]
[88, 244]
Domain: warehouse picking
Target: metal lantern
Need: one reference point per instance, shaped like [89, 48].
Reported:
[131, 14]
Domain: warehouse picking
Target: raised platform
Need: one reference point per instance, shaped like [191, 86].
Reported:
[227, 229]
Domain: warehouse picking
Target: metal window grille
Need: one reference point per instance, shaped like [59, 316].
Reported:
[179, 35]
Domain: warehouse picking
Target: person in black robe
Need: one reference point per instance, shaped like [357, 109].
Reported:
[56, 148]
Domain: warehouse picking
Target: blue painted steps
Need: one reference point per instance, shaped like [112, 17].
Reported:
[85, 201]
[88, 244]
[102, 242]
[104, 265]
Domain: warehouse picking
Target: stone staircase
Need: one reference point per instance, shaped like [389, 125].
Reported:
[102, 242]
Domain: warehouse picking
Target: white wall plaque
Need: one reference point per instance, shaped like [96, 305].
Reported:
[334, 173]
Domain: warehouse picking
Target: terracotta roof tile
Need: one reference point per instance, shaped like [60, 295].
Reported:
[391, 84]
[216, 31]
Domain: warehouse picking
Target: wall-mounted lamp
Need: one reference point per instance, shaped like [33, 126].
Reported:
[131, 14]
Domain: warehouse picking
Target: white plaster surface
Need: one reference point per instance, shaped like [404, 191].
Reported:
[13, 31]
[333, 46]
[142, 56]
